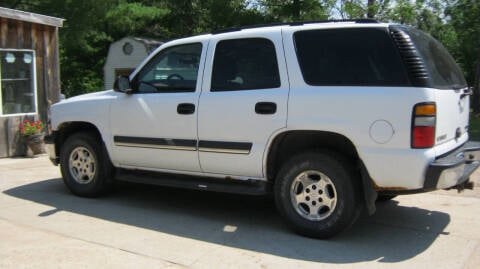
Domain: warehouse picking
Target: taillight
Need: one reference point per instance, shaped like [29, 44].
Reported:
[423, 125]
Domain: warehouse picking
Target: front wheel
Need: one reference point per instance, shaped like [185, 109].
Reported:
[317, 195]
[85, 166]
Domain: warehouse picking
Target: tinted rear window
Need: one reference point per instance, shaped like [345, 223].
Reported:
[353, 57]
[442, 68]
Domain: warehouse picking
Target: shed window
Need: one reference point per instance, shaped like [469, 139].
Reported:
[17, 82]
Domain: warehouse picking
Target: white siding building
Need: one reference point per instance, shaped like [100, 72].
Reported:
[125, 55]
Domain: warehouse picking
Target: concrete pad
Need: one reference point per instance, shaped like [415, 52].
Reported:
[24, 247]
[147, 226]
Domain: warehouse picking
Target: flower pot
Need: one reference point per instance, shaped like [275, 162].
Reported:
[35, 143]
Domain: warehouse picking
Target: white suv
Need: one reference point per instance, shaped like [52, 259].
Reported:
[326, 115]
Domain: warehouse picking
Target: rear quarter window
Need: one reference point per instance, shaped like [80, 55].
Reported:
[349, 57]
[441, 67]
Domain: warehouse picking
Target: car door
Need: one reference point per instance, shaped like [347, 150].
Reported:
[243, 101]
[155, 127]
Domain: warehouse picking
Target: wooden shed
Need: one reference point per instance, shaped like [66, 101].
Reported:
[125, 55]
[29, 77]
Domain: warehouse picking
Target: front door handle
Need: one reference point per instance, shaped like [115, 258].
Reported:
[185, 108]
[264, 108]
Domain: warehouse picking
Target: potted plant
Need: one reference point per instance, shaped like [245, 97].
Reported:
[33, 136]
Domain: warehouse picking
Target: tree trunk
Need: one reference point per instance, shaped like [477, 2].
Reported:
[371, 9]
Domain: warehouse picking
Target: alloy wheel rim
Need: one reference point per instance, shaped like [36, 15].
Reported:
[82, 165]
[313, 195]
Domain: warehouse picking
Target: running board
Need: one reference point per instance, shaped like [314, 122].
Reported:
[227, 185]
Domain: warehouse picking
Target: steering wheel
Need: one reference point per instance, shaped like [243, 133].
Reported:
[175, 76]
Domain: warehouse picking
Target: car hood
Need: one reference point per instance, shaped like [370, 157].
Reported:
[90, 96]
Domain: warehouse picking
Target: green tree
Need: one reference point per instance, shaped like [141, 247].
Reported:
[89, 28]
[193, 17]
[183, 18]
[82, 42]
[297, 10]
[19, 4]
[135, 19]
[221, 14]
[359, 9]
[91, 25]
[464, 17]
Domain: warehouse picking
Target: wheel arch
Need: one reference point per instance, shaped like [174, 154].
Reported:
[291, 142]
[67, 129]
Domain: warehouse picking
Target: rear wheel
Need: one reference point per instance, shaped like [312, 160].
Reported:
[85, 166]
[317, 195]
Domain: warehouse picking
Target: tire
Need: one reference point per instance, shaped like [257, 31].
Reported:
[85, 166]
[333, 194]
[385, 197]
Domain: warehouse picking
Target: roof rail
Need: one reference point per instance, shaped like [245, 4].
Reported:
[297, 23]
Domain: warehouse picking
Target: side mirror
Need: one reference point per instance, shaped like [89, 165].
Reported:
[122, 84]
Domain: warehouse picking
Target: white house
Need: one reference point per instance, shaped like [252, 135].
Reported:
[125, 55]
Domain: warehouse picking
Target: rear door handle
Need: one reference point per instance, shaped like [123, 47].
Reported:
[185, 108]
[264, 108]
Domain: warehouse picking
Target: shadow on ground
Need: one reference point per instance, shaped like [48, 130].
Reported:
[395, 233]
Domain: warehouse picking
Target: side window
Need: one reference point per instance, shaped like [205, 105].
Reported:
[245, 64]
[173, 69]
[349, 57]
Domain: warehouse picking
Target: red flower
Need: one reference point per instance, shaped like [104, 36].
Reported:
[30, 127]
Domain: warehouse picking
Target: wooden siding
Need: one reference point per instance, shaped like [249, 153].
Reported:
[43, 39]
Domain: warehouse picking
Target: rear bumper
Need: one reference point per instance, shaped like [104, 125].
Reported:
[449, 171]
[49, 141]
[454, 168]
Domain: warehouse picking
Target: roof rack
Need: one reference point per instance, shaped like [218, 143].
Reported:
[235, 29]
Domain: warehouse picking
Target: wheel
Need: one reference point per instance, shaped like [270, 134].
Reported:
[385, 197]
[85, 166]
[316, 194]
